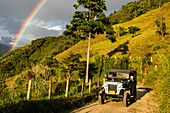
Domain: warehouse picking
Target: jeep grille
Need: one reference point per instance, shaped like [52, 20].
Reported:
[112, 88]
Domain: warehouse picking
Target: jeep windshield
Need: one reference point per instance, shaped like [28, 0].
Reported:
[117, 75]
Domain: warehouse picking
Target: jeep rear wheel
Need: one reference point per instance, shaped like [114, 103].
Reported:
[125, 99]
[101, 99]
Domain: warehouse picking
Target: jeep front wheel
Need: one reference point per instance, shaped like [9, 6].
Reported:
[125, 99]
[101, 100]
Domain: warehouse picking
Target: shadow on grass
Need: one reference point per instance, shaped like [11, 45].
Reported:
[61, 105]
[121, 48]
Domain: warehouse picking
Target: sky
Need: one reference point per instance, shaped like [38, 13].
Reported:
[50, 21]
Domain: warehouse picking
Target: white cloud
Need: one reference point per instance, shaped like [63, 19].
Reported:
[55, 28]
[11, 43]
[47, 25]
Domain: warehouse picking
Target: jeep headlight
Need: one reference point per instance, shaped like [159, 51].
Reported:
[119, 85]
[105, 84]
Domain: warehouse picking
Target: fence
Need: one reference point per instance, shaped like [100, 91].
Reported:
[67, 88]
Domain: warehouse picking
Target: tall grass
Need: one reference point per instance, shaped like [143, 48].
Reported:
[159, 79]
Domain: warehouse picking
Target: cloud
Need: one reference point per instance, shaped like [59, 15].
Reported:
[6, 40]
[50, 21]
[47, 25]
[55, 28]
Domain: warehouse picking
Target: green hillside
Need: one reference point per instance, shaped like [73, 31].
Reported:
[21, 59]
[135, 9]
[145, 41]
[59, 58]
[48, 50]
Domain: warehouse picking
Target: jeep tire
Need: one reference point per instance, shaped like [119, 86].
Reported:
[101, 99]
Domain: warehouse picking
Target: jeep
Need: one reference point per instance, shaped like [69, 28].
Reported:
[119, 83]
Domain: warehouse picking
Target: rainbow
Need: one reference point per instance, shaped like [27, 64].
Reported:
[27, 22]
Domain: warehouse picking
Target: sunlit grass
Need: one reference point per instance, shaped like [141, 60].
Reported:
[137, 45]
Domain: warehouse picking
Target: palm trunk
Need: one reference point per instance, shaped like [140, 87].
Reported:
[88, 53]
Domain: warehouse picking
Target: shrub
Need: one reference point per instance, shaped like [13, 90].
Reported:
[156, 48]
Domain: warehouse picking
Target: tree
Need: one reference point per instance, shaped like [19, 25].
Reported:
[133, 30]
[161, 27]
[119, 31]
[88, 22]
[70, 64]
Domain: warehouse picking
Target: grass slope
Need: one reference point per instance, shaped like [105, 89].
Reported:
[144, 42]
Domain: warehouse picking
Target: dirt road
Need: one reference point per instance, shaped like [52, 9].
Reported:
[145, 103]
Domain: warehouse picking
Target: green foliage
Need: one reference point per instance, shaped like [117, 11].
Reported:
[110, 34]
[156, 48]
[71, 65]
[13, 99]
[149, 46]
[41, 50]
[120, 31]
[133, 29]
[90, 21]
[135, 9]
[161, 27]
[104, 63]
[159, 80]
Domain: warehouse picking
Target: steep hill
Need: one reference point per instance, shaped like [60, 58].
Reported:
[51, 58]
[146, 40]
[49, 49]
[16, 61]
[135, 9]
[3, 49]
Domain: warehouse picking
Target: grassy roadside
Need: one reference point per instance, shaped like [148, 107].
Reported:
[57, 105]
[159, 80]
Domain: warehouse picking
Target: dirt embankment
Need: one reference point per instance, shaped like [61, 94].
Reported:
[145, 103]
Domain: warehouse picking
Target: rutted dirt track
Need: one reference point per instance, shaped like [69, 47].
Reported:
[145, 103]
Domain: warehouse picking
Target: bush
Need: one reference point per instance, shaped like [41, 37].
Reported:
[156, 48]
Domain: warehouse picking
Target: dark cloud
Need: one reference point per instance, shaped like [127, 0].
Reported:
[57, 10]
[6, 40]
[55, 13]
[16, 8]
[115, 5]
[38, 32]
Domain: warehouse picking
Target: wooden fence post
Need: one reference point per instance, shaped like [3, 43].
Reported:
[93, 79]
[82, 88]
[151, 59]
[50, 84]
[98, 82]
[67, 86]
[89, 85]
[29, 90]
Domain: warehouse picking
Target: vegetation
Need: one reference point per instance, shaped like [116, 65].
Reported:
[120, 31]
[60, 57]
[133, 30]
[161, 27]
[135, 9]
[40, 50]
[88, 22]
[159, 79]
